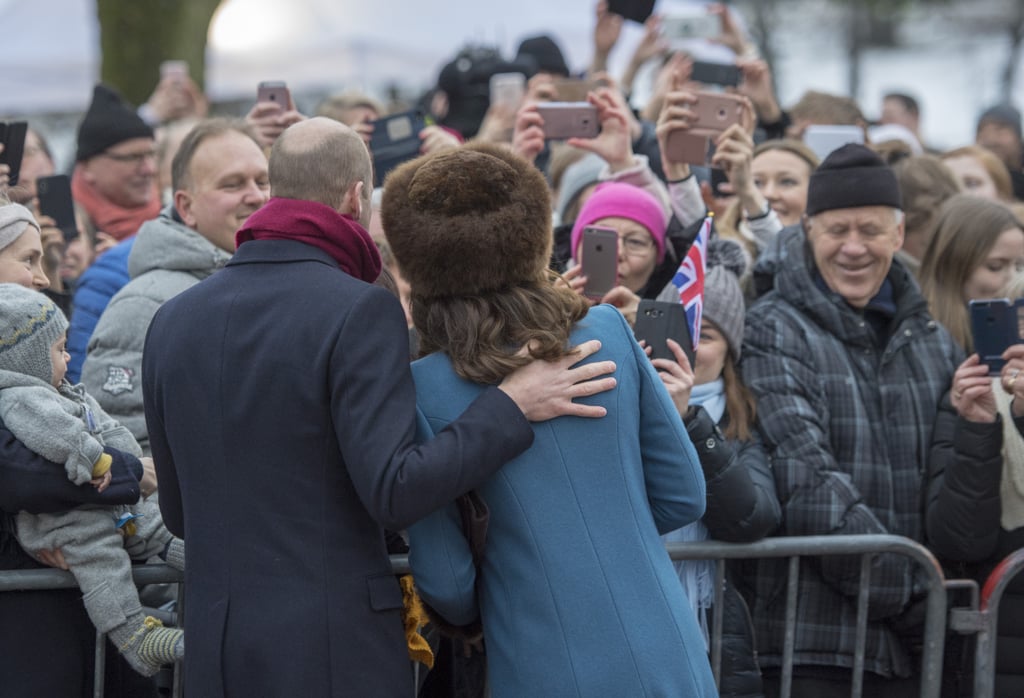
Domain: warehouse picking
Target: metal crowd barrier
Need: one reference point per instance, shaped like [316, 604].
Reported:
[788, 547]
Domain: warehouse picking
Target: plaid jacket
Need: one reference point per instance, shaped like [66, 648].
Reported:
[848, 427]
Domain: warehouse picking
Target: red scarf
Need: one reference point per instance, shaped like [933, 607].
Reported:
[109, 217]
[339, 235]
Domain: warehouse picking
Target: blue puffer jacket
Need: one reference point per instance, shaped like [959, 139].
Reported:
[97, 286]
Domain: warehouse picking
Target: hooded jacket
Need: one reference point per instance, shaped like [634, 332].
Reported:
[167, 258]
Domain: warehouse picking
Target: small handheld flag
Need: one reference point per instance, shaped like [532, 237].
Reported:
[689, 280]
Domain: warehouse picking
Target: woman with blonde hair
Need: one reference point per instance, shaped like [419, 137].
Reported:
[976, 249]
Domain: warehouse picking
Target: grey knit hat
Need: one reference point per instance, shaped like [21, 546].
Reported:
[723, 299]
[29, 325]
[14, 220]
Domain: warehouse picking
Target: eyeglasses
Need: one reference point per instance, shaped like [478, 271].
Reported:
[636, 246]
[134, 159]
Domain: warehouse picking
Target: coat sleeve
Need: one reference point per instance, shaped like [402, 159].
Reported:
[817, 496]
[742, 504]
[373, 405]
[962, 509]
[672, 473]
[29, 482]
[166, 473]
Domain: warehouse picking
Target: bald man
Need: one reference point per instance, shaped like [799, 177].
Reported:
[282, 417]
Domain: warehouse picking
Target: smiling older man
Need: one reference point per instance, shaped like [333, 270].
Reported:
[848, 368]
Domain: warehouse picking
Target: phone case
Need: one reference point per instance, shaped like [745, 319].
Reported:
[657, 321]
[395, 139]
[13, 138]
[273, 91]
[995, 325]
[55, 201]
[569, 120]
[633, 10]
[600, 260]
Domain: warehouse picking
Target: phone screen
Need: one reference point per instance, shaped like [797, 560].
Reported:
[13, 138]
[600, 260]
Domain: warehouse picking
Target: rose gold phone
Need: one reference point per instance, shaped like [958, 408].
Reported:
[274, 91]
[716, 111]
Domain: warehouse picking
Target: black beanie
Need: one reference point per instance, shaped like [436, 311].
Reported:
[852, 176]
[1004, 114]
[544, 53]
[109, 121]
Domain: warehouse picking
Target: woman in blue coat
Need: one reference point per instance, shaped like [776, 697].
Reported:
[575, 592]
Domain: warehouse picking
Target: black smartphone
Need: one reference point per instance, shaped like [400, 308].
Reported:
[996, 324]
[55, 201]
[658, 321]
[634, 10]
[725, 74]
[600, 260]
[395, 139]
[12, 135]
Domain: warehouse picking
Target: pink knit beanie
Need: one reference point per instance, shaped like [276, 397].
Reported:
[623, 201]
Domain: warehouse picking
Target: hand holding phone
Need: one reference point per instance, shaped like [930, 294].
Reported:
[996, 324]
[715, 112]
[55, 201]
[659, 321]
[599, 252]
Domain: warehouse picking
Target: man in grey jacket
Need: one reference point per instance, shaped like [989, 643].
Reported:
[848, 368]
[219, 176]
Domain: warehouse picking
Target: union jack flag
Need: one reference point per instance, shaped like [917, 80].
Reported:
[689, 280]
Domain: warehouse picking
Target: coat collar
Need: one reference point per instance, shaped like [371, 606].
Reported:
[279, 252]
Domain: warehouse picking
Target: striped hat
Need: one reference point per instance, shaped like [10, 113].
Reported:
[29, 325]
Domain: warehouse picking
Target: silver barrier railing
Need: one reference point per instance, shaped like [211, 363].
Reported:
[782, 547]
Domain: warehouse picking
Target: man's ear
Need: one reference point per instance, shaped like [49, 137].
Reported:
[183, 204]
[354, 200]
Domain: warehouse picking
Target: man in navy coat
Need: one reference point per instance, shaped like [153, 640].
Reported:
[281, 415]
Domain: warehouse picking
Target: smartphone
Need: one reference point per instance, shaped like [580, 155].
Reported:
[12, 135]
[275, 91]
[633, 10]
[575, 89]
[715, 112]
[724, 74]
[174, 69]
[55, 201]
[824, 138]
[395, 139]
[569, 120]
[508, 89]
[996, 323]
[658, 321]
[599, 258]
[697, 24]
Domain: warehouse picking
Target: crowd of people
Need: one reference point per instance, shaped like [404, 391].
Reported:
[214, 372]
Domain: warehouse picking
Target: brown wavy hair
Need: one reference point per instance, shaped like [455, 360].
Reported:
[483, 334]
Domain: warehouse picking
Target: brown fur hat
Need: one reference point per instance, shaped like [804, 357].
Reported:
[468, 221]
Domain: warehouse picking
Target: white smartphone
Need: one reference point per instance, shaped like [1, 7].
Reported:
[175, 69]
[508, 89]
[569, 120]
[823, 139]
[696, 24]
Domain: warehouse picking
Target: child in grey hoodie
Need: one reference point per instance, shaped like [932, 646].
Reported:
[64, 424]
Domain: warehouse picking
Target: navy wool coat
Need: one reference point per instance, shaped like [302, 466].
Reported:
[281, 414]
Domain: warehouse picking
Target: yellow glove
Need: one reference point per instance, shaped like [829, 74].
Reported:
[102, 465]
[414, 618]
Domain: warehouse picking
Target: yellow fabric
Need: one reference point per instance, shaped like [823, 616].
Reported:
[414, 618]
[102, 465]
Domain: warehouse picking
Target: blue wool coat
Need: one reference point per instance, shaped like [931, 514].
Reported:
[577, 594]
[281, 416]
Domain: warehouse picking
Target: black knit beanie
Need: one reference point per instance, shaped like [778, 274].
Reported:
[544, 53]
[109, 121]
[852, 176]
[1003, 114]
